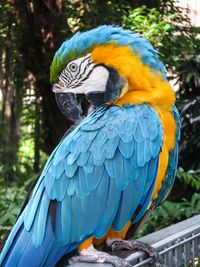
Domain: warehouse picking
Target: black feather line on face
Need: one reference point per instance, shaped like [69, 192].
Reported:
[64, 78]
[80, 82]
[73, 79]
[69, 73]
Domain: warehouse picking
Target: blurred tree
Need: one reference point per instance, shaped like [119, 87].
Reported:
[189, 104]
[41, 30]
[11, 82]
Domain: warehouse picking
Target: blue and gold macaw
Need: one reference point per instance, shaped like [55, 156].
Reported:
[115, 166]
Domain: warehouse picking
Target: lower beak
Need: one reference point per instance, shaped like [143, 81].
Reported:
[69, 105]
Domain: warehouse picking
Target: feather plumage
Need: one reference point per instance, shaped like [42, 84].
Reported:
[83, 189]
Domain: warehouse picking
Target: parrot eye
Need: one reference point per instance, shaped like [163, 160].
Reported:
[73, 67]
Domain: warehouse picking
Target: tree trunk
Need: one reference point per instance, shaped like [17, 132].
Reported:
[6, 90]
[11, 103]
[41, 23]
[14, 132]
[36, 166]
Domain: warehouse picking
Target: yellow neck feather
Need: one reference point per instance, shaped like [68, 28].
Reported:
[144, 86]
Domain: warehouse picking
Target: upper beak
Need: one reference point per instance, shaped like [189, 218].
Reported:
[69, 105]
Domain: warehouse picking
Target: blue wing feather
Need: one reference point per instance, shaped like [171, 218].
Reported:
[58, 226]
[109, 210]
[40, 224]
[32, 207]
[66, 219]
[95, 179]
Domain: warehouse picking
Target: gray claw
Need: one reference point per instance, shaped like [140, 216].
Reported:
[137, 245]
[105, 258]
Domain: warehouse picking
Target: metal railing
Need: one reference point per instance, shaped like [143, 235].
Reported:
[179, 245]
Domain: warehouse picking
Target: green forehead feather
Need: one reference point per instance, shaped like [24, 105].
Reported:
[59, 62]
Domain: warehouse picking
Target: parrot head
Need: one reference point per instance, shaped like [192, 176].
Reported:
[101, 65]
[81, 77]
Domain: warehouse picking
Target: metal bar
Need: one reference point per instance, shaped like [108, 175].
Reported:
[185, 255]
[181, 231]
[178, 244]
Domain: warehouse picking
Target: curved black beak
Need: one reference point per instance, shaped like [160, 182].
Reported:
[69, 105]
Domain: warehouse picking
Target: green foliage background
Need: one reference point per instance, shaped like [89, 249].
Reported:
[29, 120]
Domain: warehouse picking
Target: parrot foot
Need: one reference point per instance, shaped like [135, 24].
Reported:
[92, 255]
[119, 244]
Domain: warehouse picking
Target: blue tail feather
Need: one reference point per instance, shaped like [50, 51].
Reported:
[23, 252]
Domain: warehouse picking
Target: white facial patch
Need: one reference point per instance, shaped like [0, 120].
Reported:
[82, 76]
[96, 81]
